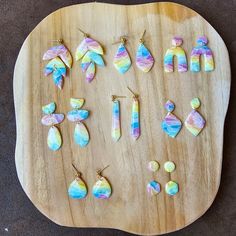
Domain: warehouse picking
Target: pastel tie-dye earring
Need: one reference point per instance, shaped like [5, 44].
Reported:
[144, 59]
[54, 139]
[122, 60]
[171, 124]
[59, 57]
[102, 188]
[135, 120]
[177, 51]
[89, 52]
[81, 135]
[202, 49]
[195, 122]
[116, 128]
[77, 188]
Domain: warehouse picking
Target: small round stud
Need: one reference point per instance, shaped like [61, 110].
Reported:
[172, 188]
[169, 166]
[195, 103]
[153, 188]
[169, 106]
[153, 166]
[177, 41]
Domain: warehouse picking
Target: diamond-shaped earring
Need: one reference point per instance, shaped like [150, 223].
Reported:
[195, 122]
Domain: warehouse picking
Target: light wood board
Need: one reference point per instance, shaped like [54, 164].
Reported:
[46, 175]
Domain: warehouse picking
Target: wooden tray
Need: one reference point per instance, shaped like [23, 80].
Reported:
[46, 175]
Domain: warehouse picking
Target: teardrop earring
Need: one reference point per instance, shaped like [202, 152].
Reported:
[77, 188]
[102, 188]
[144, 59]
[54, 139]
[122, 60]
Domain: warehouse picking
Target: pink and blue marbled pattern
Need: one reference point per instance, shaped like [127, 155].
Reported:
[115, 131]
[135, 122]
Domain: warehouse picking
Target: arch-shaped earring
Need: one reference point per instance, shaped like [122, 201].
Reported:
[177, 51]
[201, 49]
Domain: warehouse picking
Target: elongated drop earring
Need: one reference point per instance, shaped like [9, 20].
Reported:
[144, 59]
[135, 119]
[81, 135]
[77, 188]
[102, 188]
[54, 139]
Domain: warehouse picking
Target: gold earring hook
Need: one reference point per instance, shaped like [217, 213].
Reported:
[78, 173]
[57, 40]
[141, 40]
[99, 171]
[85, 34]
[123, 39]
[134, 94]
[114, 97]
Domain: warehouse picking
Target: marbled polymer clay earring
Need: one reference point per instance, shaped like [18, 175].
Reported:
[171, 124]
[144, 59]
[177, 51]
[135, 119]
[202, 49]
[54, 139]
[195, 122]
[90, 53]
[77, 188]
[59, 57]
[122, 61]
[81, 135]
[102, 188]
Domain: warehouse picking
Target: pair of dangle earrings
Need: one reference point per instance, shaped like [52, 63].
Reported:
[135, 119]
[101, 189]
[194, 122]
[144, 59]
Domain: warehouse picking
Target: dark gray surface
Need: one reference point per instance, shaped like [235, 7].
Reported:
[17, 214]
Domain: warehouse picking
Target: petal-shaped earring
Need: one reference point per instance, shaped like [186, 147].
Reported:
[122, 60]
[195, 122]
[59, 56]
[177, 51]
[102, 188]
[202, 49]
[77, 188]
[90, 52]
[135, 120]
[171, 124]
[81, 135]
[144, 59]
[54, 139]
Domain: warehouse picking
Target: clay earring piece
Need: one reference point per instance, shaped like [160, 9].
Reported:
[202, 49]
[89, 52]
[135, 120]
[59, 57]
[77, 188]
[116, 128]
[102, 188]
[177, 51]
[195, 122]
[54, 139]
[171, 124]
[122, 60]
[153, 188]
[144, 59]
[81, 135]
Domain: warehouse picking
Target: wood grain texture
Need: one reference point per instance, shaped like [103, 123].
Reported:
[46, 175]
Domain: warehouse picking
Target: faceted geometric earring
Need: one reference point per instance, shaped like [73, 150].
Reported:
[116, 129]
[153, 188]
[59, 56]
[202, 49]
[77, 188]
[144, 59]
[195, 122]
[90, 52]
[81, 135]
[54, 139]
[135, 121]
[102, 188]
[122, 60]
[177, 51]
[171, 124]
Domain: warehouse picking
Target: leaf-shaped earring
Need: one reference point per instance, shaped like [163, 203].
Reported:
[102, 188]
[171, 124]
[59, 57]
[144, 59]
[122, 60]
[195, 122]
[77, 188]
[81, 135]
[54, 139]
[89, 52]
